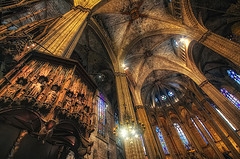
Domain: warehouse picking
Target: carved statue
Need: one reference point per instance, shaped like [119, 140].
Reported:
[79, 104]
[68, 101]
[14, 89]
[37, 88]
[52, 95]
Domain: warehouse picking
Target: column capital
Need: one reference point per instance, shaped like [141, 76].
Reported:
[81, 8]
[203, 83]
[203, 101]
[204, 36]
[139, 107]
[120, 74]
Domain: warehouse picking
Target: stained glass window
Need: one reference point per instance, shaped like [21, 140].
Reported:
[162, 141]
[163, 97]
[101, 116]
[12, 28]
[182, 136]
[170, 93]
[234, 75]
[230, 97]
[205, 140]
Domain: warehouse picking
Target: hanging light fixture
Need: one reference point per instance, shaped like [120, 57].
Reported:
[129, 129]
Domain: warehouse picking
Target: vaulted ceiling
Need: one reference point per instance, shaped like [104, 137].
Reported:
[142, 37]
[141, 34]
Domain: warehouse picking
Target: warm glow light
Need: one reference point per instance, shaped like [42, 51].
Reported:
[129, 131]
[176, 99]
[133, 132]
[33, 45]
[124, 67]
[124, 132]
[184, 40]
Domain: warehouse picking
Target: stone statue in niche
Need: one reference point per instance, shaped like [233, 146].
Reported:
[85, 119]
[20, 94]
[79, 103]
[37, 88]
[67, 104]
[13, 90]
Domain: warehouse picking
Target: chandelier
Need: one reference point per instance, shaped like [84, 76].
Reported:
[129, 129]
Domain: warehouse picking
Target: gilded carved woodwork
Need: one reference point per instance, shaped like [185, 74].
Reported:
[59, 94]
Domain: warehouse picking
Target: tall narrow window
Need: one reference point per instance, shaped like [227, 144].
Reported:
[230, 97]
[182, 136]
[162, 141]
[203, 137]
[204, 128]
[234, 75]
[144, 148]
[101, 116]
[223, 116]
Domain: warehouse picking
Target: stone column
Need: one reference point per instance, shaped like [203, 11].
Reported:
[225, 140]
[150, 141]
[215, 95]
[63, 37]
[222, 122]
[223, 103]
[133, 150]
[208, 109]
[209, 139]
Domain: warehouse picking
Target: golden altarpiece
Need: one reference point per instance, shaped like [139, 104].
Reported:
[47, 97]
